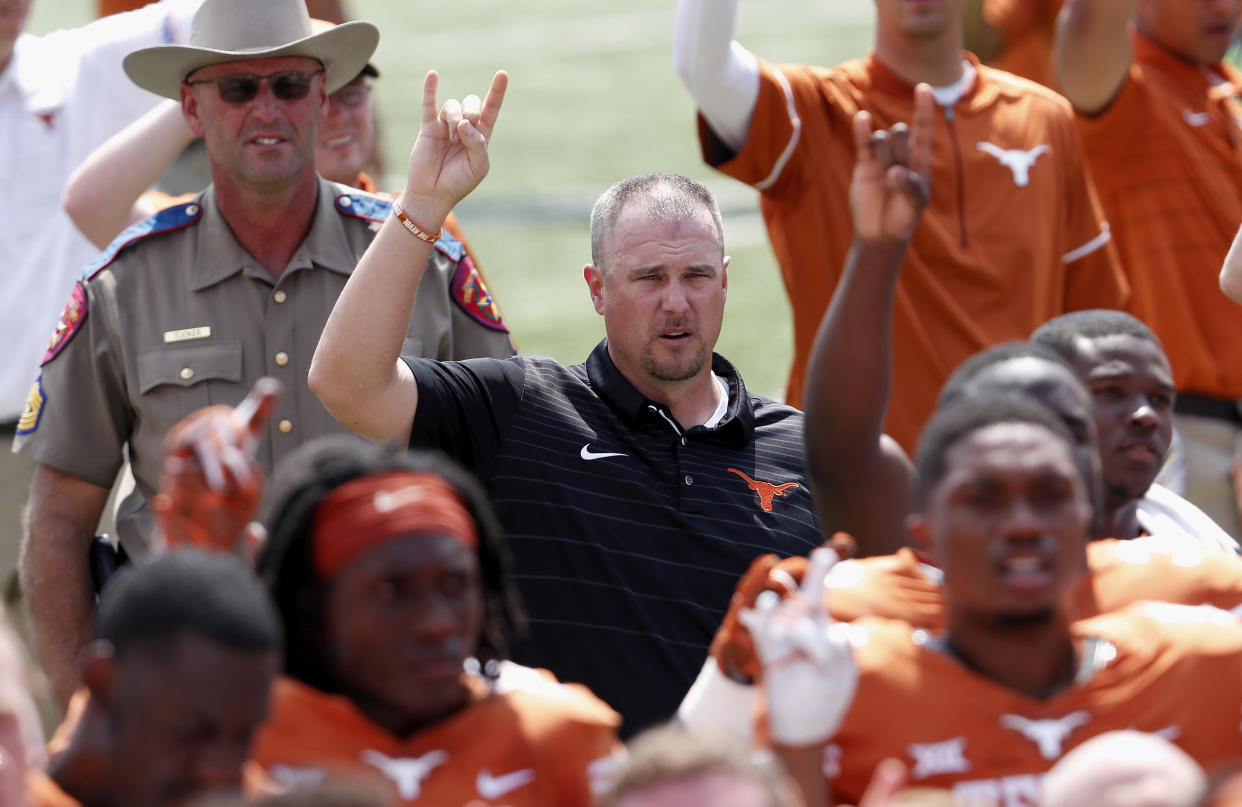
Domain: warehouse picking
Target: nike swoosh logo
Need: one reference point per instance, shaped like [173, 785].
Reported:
[588, 454]
[493, 787]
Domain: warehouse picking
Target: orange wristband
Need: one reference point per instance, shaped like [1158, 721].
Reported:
[415, 230]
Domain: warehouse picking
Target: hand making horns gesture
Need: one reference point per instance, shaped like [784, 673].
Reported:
[449, 158]
[892, 173]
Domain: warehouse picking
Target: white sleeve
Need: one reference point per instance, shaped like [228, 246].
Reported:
[721, 75]
[1231, 273]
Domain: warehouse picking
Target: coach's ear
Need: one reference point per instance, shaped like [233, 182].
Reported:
[97, 663]
[594, 277]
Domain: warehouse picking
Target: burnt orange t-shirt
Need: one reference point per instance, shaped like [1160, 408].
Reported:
[1012, 237]
[1166, 156]
[539, 744]
[1027, 28]
[1119, 573]
[990, 744]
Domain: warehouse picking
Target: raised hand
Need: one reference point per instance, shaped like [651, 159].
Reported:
[808, 670]
[891, 185]
[732, 646]
[210, 483]
[449, 158]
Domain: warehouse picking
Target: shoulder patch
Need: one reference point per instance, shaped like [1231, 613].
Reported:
[71, 319]
[470, 292]
[29, 421]
[364, 206]
[170, 218]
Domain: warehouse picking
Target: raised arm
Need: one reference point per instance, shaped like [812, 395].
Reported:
[357, 370]
[1092, 52]
[1231, 272]
[104, 194]
[859, 477]
[721, 75]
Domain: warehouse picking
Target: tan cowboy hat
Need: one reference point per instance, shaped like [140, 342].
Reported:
[233, 30]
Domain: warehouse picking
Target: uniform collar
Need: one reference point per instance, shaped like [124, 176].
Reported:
[885, 80]
[608, 382]
[1187, 75]
[220, 256]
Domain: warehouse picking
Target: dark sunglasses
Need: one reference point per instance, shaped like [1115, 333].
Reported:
[352, 95]
[241, 88]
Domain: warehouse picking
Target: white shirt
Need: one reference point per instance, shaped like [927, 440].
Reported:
[61, 96]
[1164, 514]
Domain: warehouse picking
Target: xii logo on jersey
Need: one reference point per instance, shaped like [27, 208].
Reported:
[1048, 735]
[933, 759]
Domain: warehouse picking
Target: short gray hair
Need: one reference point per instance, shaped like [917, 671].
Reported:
[663, 197]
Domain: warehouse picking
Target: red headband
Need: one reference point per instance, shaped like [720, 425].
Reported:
[369, 511]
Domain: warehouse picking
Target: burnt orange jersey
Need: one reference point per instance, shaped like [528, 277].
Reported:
[990, 744]
[1012, 237]
[41, 791]
[1166, 156]
[1027, 29]
[540, 743]
[1119, 573]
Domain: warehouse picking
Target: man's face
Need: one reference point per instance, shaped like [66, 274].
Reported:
[401, 620]
[182, 721]
[1197, 30]
[1132, 384]
[1007, 522]
[1054, 386]
[917, 18]
[263, 143]
[662, 295]
[347, 134]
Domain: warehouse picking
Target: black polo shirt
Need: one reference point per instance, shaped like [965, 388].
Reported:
[628, 532]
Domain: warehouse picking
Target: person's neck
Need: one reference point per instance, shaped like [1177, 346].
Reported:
[1120, 520]
[1037, 659]
[270, 224]
[400, 724]
[934, 60]
[84, 769]
[691, 402]
[6, 54]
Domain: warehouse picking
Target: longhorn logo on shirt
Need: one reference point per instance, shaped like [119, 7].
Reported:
[931, 759]
[408, 774]
[765, 490]
[1016, 160]
[1049, 735]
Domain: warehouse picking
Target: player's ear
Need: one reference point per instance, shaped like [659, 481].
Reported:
[916, 529]
[724, 273]
[97, 665]
[594, 277]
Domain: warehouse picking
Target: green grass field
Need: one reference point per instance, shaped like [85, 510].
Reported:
[593, 98]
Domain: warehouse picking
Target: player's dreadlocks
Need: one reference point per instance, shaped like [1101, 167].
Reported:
[308, 475]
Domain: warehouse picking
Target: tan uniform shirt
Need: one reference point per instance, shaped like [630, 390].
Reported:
[176, 316]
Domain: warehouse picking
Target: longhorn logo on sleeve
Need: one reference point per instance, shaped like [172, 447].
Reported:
[766, 491]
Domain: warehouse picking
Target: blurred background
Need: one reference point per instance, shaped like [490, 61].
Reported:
[592, 99]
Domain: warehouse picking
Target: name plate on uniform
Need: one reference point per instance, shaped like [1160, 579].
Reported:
[186, 334]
